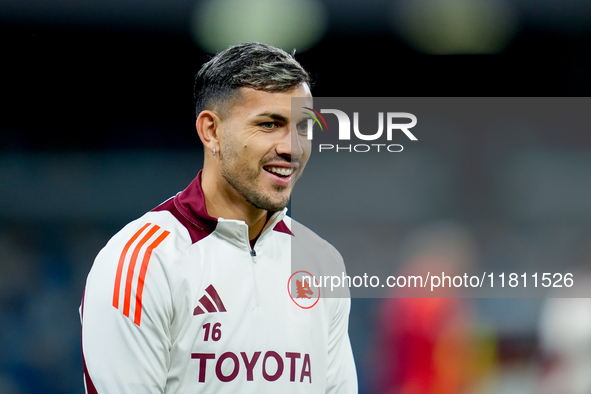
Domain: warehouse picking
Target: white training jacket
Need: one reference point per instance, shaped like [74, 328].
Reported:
[179, 302]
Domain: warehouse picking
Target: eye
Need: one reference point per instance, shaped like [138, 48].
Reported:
[302, 126]
[268, 125]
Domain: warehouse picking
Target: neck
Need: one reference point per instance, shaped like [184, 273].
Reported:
[221, 200]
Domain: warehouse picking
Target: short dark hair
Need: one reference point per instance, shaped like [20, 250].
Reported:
[253, 65]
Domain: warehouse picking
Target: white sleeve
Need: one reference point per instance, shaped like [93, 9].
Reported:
[126, 313]
[341, 374]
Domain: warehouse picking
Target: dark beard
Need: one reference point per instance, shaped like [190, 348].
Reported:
[254, 197]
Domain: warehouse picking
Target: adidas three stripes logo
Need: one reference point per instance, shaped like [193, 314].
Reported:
[208, 302]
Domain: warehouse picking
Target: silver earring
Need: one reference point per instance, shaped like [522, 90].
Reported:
[214, 151]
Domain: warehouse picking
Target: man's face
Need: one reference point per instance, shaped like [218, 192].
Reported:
[264, 147]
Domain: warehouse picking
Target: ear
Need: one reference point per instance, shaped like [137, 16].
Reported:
[207, 125]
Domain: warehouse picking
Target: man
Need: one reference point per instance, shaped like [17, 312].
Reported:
[192, 296]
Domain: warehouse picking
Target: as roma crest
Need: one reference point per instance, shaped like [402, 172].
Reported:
[303, 289]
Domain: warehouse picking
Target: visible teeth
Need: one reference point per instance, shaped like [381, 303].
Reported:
[281, 171]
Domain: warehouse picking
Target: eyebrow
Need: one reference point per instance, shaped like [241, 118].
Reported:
[274, 116]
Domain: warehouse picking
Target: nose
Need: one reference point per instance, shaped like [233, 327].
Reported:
[290, 145]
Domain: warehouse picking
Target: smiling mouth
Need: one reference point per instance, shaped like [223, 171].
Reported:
[279, 171]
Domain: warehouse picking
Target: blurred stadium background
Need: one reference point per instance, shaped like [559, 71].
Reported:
[97, 127]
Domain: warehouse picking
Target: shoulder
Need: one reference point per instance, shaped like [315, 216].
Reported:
[303, 237]
[139, 268]
[154, 238]
[151, 230]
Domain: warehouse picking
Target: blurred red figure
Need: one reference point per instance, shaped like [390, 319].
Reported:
[427, 345]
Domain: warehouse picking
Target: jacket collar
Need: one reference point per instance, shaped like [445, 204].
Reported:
[191, 204]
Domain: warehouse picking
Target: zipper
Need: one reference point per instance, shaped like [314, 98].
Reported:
[253, 256]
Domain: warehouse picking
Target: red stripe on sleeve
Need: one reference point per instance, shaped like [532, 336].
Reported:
[121, 263]
[142, 277]
[131, 268]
